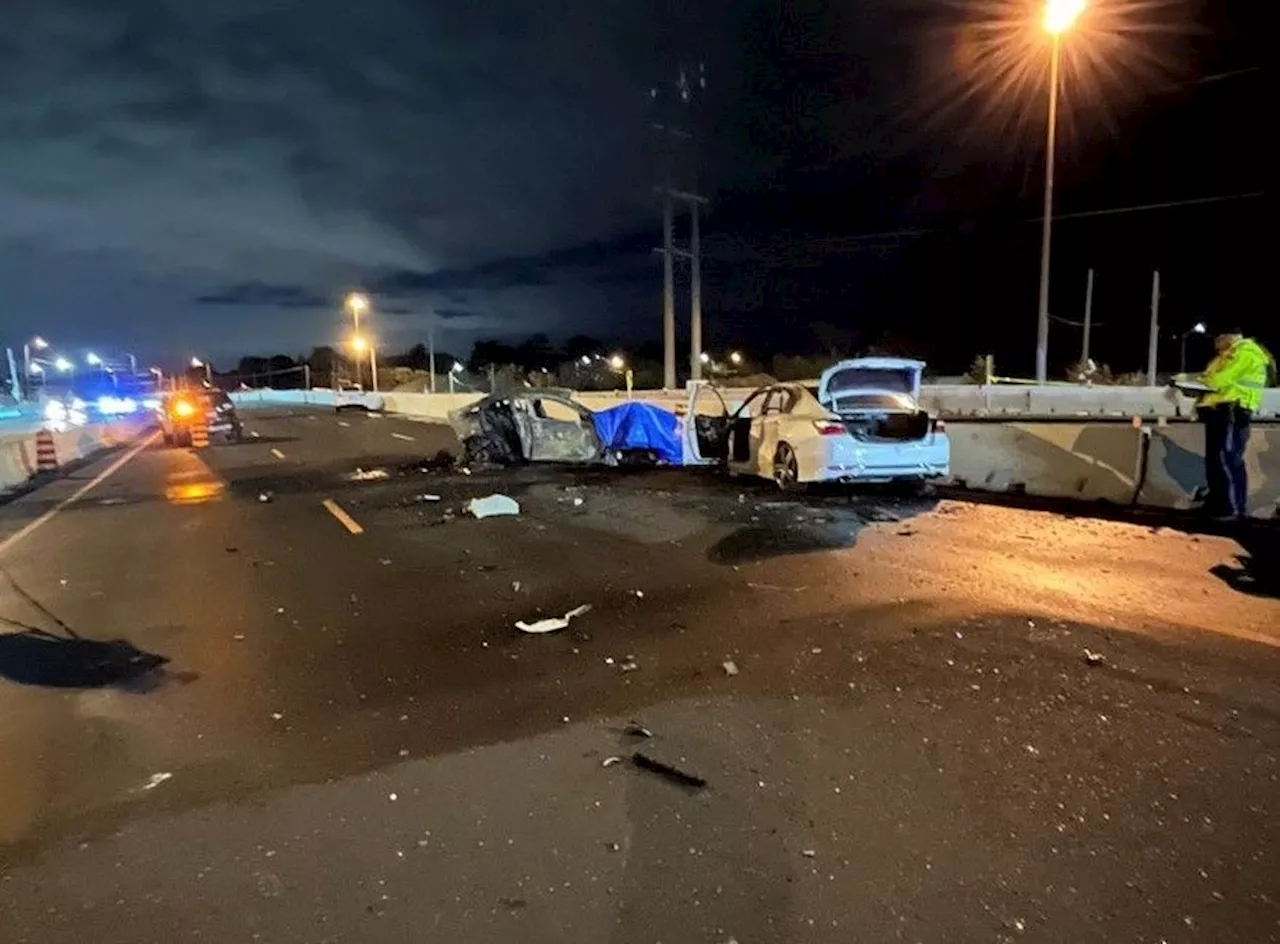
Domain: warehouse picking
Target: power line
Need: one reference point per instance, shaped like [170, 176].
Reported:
[1169, 204]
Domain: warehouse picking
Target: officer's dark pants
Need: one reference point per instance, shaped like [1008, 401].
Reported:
[1226, 435]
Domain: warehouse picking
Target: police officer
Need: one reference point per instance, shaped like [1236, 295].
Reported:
[1236, 379]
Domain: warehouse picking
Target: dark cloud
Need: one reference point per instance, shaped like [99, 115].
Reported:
[263, 294]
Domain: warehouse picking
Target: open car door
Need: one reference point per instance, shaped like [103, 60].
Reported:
[706, 426]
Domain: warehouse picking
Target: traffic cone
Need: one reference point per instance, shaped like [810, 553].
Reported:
[46, 452]
[199, 435]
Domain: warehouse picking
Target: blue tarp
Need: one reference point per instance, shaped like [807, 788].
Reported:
[636, 426]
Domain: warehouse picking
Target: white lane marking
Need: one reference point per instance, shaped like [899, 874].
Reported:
[79, 493]
[403, 436]
[277, 453]
[344, 519]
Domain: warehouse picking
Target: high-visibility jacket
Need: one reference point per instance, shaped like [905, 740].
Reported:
[1239, 375]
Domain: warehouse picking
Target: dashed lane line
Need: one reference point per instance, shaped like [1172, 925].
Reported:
[403, 436]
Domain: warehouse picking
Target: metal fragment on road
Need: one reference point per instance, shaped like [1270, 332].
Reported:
[156, 779]
[368, 475]
[730, 667]
[552, 623]
[674, 774]
[1094, 658]
[610, 761]
[426, 498]
[492, 506]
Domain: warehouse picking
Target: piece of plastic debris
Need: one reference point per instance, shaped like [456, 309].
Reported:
[515, 586]
[426, 498]
[610, 761]
[552, 623]
[630, 665]
[238, 637]
[492, 506]
[392, 797]
[674, 774]
[277, 716]
[156, 779]
[264, 497]
[1094, 658]
[730, 667]
[634, 729]
[577, 503]
[639, 594]
[808, 853]
[385, 561]
[368, 475]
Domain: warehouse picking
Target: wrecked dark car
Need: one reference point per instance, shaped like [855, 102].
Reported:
[527, 426]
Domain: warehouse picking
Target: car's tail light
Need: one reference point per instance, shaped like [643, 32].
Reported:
[829, 428]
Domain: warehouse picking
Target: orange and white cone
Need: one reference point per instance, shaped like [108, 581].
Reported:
[46, 452]
[199, 436]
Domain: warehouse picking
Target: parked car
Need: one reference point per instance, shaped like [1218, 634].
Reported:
[860, 423]
[182, 411]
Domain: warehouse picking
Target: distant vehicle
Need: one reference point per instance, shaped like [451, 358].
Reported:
[182, 411]
[861, 423]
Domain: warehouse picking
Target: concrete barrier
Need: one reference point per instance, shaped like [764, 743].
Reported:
[18, 452]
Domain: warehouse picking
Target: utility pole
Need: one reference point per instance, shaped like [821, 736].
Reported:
[1088, 320]
[687, 89]
[695, 293]
[431, 357]
[1153, 340]
[668, 292]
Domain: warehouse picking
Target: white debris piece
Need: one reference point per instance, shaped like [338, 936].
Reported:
[1094, 658]
[264, 497]
[552, 623]
[156, 779]
[426, 498]
[368, 475]
[492, 506]
[610, 761]
[730, 667]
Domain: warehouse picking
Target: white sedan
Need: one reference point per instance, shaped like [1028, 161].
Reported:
[860, 423]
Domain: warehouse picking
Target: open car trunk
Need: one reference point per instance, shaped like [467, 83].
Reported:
[877, 398]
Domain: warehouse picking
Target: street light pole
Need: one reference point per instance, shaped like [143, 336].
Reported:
[1046, 225]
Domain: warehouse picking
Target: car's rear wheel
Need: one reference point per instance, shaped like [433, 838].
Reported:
[786, 470]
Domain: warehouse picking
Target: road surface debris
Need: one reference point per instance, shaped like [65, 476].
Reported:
[674, 774]
[730, 667]
[1094, 658]
[492, 506]
[368, 475]
[635, 729]
[156, 779]
[552, 623]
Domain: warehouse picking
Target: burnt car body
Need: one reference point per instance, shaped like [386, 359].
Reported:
[527, 426]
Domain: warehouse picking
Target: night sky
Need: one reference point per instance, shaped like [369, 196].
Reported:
[181, 178]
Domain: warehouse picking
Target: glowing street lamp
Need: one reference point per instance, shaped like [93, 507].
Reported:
[735, 358]
[617, 362]
[357, 304]
[64, 365]
[1059, 17]
[359, 344]
[93, 360]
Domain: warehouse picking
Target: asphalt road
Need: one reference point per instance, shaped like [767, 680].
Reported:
[949, 722]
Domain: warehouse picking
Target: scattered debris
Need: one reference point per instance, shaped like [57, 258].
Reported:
[265, 497]
[639, 594]
[809, 853]
[770, 586]
[255, 434]
[630, 664]
[577, 503]
[492, 506]
[1094, 658]
[674, 774]
[610, 761]
[515, 586]
[425, 497]
[156, 779]
[368, 475]
[238, 637]
[552, 623]
[277, 716]
[637, 730]
[730, 667]
[385, 562]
